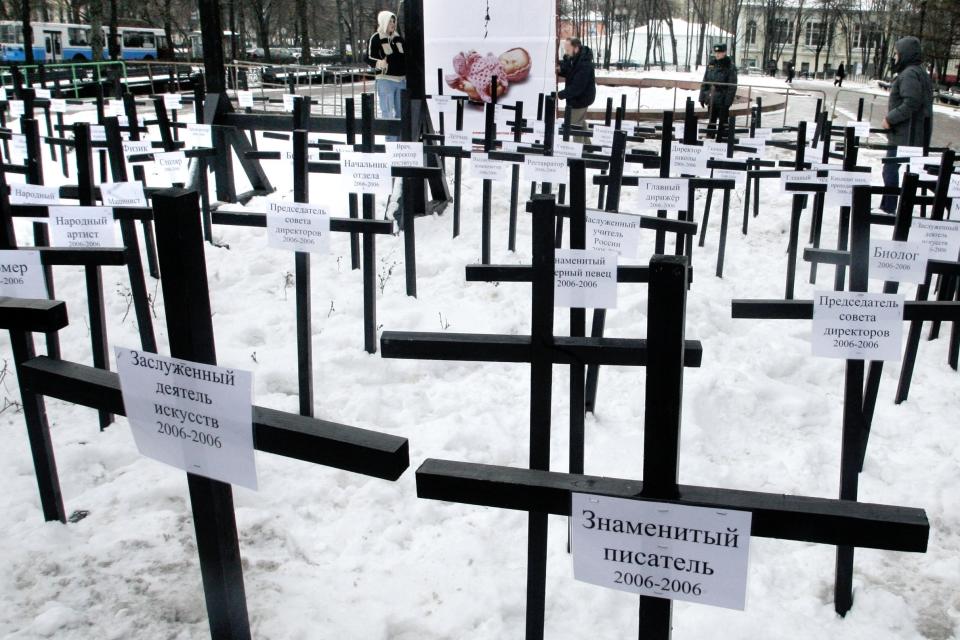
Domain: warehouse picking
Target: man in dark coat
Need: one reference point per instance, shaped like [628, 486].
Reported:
[791, 72]
[719, 87]
[909, 109]
[580, 88]
[841, 74]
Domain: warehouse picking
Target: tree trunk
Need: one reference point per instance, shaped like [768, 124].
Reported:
[305, 57]
[27, 32]
[95, 15]
[342, 45]
[796, 34]
[114, 48]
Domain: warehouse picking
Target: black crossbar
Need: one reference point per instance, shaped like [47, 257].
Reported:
[925, 310]
[478, 347]
[22, 314]
[820, 520]
[259, 219]
[318, 441]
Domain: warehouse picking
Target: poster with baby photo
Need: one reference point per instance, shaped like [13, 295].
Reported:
[471, 41]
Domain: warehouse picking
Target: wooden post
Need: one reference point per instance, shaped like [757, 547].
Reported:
[664, 399]
[93, 274]
[189, 325]
[369, 240]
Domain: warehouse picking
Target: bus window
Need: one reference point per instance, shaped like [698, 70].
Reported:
[11, 33]
[134, 39]
[77, 37]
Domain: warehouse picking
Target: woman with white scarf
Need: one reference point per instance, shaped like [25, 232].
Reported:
[386, 53]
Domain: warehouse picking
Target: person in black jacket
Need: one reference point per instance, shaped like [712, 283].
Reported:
[718, 97]
[841, 74]
[385, 51]
[909, 108]
[580, 89]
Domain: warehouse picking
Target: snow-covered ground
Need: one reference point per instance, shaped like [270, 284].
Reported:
[329, 554]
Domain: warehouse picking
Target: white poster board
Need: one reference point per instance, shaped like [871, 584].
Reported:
[472, 40]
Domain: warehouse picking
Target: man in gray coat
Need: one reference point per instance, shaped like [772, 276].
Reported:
[909, 109]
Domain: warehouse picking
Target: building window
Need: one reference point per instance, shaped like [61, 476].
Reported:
[751, 35]
[783, 31]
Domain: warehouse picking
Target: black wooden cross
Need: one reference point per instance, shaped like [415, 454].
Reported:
[666, 353]
[190, 329]
[576, 212]
[541, 349]
[855, 423]
[23, 317]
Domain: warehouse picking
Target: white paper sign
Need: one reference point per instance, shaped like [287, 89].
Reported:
[366, 172]
[759, 147]
[18, 148]
[98, 133]
[288, 99]
[585, 279]
[740, 177]
[687, 159]
[898, 261]
[16, 108]
[58, 105]
[602, 135]
[856, 325]
[245, 99]
[860, 129]
[510, 146]
[442, 104]
[83, 227]
[21, 274]
[617, 232]
[919, 164]
[545, 169]
[840, 186]
[171, 101]
[181, 415]
[564, 149]
[199, 136]
[298, 227]
[714, 149]
[662, 550]
[941, 237]
[799, 177]
[405, 154]
[34, 194]
[909, 152]
[42, 94]
[668, 194]
[114, 108]
[482, 167]
[461, 139]
[136, 147]
[173, 164]
[763, 133]
[953, 191]
[123, 194]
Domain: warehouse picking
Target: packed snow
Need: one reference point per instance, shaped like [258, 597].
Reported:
[330, 554]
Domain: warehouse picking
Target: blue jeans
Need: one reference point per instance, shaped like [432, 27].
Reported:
[388, 93]
[891, 178]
